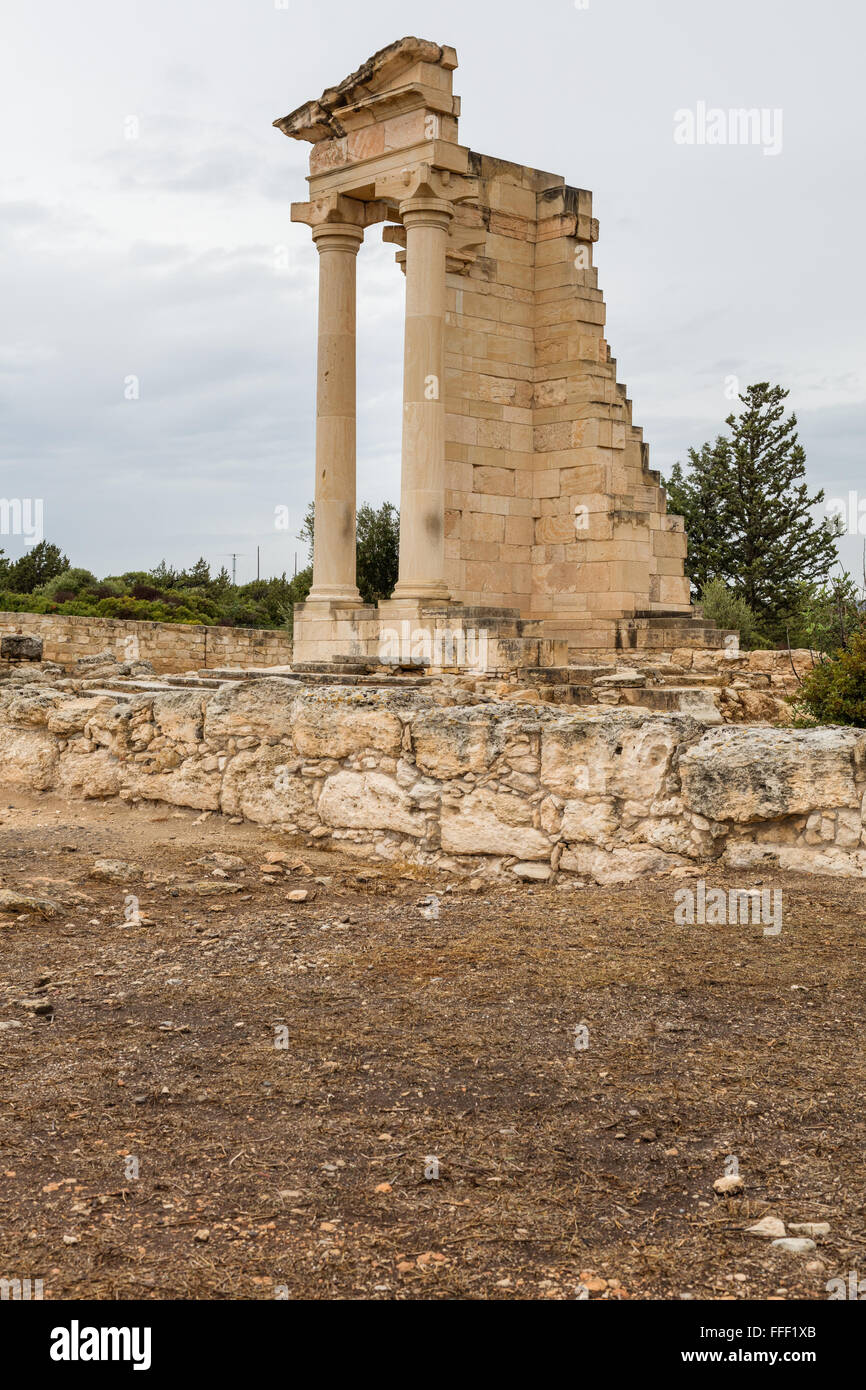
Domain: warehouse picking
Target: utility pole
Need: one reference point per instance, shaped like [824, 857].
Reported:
[258, 562]
[236, 555]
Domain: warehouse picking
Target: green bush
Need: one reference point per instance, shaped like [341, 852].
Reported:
[825, 615]
[834, 692]
[73, 581]
[728, 610]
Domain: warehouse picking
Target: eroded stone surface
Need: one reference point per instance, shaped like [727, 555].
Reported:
[537, 791]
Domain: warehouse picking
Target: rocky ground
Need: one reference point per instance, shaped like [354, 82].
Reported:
[233, 1066]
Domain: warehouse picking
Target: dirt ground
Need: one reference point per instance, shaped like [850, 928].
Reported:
[417, 1037]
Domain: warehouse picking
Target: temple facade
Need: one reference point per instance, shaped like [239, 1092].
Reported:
[527, 503]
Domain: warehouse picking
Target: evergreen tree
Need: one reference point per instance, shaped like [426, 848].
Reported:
[377, 548]
[378, 551]
[35, 567]
[747, 509]
[698, 497]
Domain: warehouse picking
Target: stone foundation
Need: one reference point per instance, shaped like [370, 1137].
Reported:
[405, 777]
[167, 646]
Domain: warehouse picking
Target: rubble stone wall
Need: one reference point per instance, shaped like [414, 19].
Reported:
[503, 787]
[170, 647]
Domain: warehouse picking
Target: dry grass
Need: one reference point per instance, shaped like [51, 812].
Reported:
[411, 1037]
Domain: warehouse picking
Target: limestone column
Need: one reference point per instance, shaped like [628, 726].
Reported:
[334, 536]
[422, 489]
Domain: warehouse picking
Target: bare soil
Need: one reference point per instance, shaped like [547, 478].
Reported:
[414, 1030]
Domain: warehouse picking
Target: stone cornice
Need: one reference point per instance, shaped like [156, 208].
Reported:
[374, 85]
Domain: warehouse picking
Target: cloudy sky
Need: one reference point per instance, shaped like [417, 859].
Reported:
[145, 233]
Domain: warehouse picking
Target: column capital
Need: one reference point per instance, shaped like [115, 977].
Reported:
[427, 212]
[338, 236]
[424, 181]
[336, 210]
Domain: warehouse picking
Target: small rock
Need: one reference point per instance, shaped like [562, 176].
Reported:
[10, 901]
[223, 861]
[37, 1006]
[430, 1257]
[202, 1234]
[532, 873]
[114, 871]
[809, 1228]
[727, 1186]
[299, 895]
[797, 1246]
[770, 1226]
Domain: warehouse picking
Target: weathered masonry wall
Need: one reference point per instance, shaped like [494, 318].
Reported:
[170, 647]
[550, 503]
[476, 788]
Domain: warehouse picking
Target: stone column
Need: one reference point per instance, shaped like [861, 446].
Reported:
[422, 491]
[334, 537]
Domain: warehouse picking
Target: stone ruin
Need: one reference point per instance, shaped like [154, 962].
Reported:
[528, 507]
[530, 517]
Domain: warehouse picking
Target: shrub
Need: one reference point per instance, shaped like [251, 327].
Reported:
[70, 581]
[729, 610]
[834, 692]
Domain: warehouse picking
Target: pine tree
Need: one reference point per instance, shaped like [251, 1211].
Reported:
[35, 567]
[747, 508]
[697, 496]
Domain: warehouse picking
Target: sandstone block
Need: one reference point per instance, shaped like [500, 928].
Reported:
[747, 774]
[488, 822]
[368, 801]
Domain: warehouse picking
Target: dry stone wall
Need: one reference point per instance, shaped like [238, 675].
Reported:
[169, 647]
[496, 787]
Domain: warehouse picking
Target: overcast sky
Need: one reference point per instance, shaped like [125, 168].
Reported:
[170, 256]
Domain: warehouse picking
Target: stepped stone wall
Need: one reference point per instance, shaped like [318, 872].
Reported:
[551, 506]
[481, 788]
[170, 647]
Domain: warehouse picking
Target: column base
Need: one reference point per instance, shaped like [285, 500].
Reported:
[412, 593]
[343, 598]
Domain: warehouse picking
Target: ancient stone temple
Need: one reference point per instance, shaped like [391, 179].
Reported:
[527, 506]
